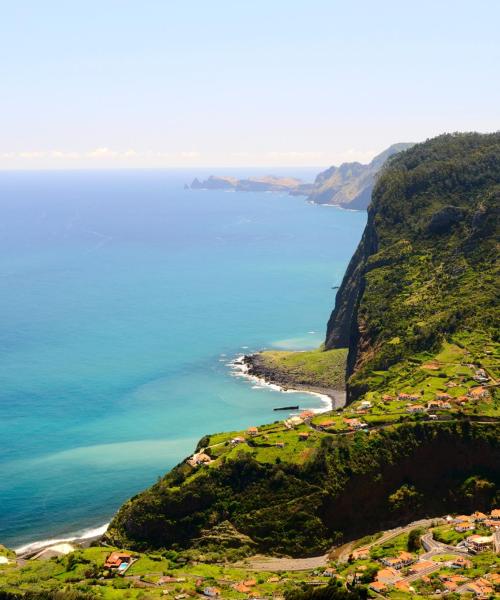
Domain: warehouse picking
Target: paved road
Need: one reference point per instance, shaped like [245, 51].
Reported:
[389, 534]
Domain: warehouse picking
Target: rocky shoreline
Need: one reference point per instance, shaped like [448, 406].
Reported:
[257, 368]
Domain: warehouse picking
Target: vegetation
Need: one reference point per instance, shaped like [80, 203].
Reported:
[427, 266]
[316, 368]
[333, 591]
[395, 474]
[189, 572]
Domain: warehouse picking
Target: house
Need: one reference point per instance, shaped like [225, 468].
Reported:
[365, 404]
[402, 586]
[250, 582]
[118, 561]
[280, 444]
[479, 543]
[199, 459]
[415, 408]
[450, 586]
[293, 422]
[433, 417]
[355, 424]
[492, 524]
[361, 553]
[421, 565]
[211, 592]
[477, 393]
[329, 572]
[237, 440]
[387, 398]
[378, 586]
[403, 559]
[454, 578]
[242, 588]
[409, 397]
[274, 579]
[252, 431]
[460, 562]
[326, 424]
[494, 578]
[481, 376]
[438, 404]
[495, 514]
[387, 575]
[303, 435]
[480, 587]
[462, 519]
[479, 516]
[464, 526]
[443, 397]
[306, 414]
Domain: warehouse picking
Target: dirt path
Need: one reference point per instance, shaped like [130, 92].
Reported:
[269, 563]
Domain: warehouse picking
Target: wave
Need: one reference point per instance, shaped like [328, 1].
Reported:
[240, 369]
[79, 536]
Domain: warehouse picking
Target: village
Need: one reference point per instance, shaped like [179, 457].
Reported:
[456, 554]
[443, 387]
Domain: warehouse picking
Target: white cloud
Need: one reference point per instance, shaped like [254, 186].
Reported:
[102, 152]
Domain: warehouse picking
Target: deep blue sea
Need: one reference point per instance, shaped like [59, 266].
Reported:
[122, 299]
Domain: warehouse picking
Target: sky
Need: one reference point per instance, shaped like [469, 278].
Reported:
[268, 83]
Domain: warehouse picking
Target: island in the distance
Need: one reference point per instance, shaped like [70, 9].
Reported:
[349, 186]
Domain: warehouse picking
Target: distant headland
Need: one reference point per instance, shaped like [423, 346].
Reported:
[349, 186]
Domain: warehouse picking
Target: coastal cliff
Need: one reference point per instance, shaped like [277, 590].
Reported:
[417, 310]
[350, 185]
[426, 265]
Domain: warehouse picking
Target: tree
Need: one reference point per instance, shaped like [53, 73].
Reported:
[414, 540]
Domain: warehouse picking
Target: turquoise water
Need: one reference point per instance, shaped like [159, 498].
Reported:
[122, 299]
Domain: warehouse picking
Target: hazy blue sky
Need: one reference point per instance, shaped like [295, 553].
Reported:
[105, 83]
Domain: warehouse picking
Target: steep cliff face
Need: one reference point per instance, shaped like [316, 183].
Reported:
[341, 329]
[426, 265]
[345, 490]
[350, 185]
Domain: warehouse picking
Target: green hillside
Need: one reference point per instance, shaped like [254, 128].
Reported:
[427, 266]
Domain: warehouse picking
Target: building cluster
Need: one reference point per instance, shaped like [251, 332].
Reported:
[400, 571]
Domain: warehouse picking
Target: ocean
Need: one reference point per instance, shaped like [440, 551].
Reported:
[123, 299]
